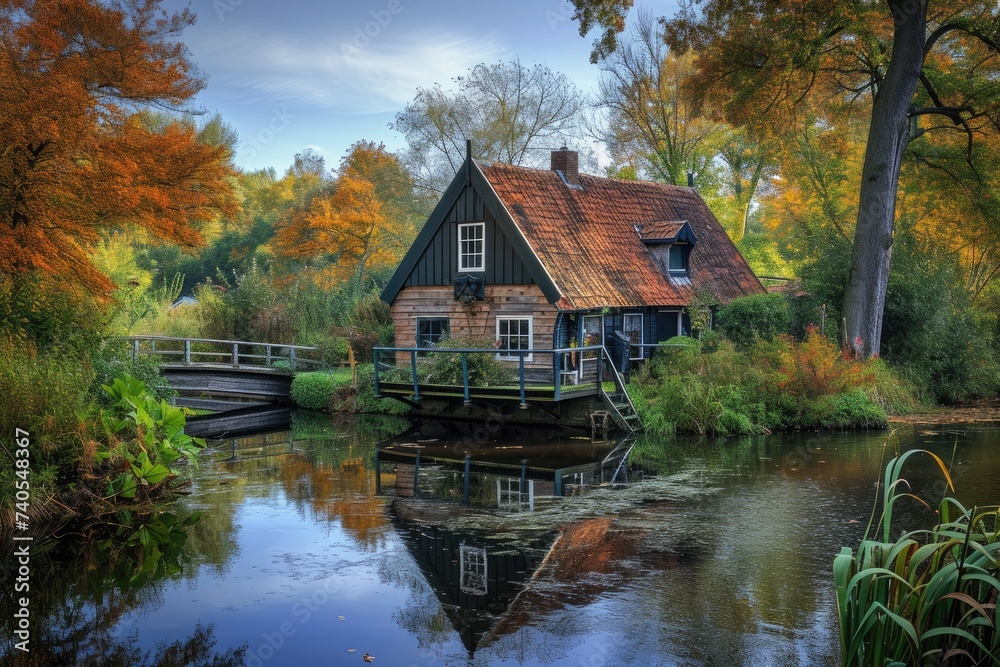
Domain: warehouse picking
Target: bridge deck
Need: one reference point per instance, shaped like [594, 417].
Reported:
[204, 370]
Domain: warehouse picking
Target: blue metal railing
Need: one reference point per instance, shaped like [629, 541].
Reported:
[559, 366]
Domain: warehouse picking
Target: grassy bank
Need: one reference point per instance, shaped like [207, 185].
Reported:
[99, 439]
[711, 387]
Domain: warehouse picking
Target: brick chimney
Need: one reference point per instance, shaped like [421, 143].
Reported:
[566, 162]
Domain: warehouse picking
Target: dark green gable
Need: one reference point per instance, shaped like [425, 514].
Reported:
[438, 265]
[432, 260]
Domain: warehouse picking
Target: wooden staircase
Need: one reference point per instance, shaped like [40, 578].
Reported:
[620, 405]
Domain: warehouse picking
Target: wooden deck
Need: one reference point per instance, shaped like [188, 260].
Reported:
[537, 376]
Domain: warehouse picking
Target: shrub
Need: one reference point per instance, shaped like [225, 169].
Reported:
[347, 398]
[371, 325]
[313, 390]
[114, 360]
[779, 384]
[246, 307]
[485, 370]
[333, 349]
[362, 341]
[749, 319]
[38, 311]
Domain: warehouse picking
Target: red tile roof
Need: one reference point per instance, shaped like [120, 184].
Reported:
[587, 240]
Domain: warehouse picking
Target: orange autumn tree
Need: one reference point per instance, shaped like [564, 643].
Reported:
[81, 154]
[362, 224]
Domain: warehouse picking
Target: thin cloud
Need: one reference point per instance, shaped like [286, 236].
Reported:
[381, 77]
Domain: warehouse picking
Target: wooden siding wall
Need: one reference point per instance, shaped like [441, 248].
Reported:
[439, 263]
[502, 300]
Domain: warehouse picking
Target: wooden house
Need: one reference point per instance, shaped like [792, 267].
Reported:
[548, 259]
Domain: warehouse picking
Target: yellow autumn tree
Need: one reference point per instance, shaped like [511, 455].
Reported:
[360, 226]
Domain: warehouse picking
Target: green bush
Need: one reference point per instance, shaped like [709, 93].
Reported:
[244, 307]
[749, 319]
[485, 370]
[362, 399]
[779, 384]
[313, 390]
[36, 312]
[371, 325]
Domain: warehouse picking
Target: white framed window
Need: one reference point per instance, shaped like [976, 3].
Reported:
[472, 568]
[632, 329]
[472, 246]
[513, 333]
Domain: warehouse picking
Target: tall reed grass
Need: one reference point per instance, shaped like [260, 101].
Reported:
[928, 597]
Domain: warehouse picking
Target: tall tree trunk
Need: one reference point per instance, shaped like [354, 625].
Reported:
[864, 300]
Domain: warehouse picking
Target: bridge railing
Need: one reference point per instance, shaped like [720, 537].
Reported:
[233, 353]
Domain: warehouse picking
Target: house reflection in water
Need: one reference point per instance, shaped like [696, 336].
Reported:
[530, 578]
[473, 576]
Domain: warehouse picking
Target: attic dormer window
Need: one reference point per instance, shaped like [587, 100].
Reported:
[670, 243]
[472, 246]
[678, 259]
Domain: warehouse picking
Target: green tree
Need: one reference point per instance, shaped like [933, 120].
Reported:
[764, 58]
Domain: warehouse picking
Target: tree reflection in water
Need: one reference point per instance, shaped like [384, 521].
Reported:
[88, 593]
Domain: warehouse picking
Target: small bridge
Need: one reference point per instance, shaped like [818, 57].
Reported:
[226, 374]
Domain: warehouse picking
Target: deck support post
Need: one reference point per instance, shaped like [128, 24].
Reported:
[600, 371]
[236, 354]
[187, 352]
[413, 370]
[267, 356]
[416, 469]
[520, 362]
[465, 376]
[524, 474]
[556, 377]
[558, 482]
[135, 349]
[375, 364]
[378, 474]
[465, 485]
[291, 357]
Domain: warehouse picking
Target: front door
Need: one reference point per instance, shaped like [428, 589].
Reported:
[591, 333]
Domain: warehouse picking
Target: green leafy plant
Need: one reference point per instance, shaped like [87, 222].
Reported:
[148, 434]
[777, 384]
[928, 597]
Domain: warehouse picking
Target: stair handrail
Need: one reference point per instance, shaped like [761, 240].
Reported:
[620, 385]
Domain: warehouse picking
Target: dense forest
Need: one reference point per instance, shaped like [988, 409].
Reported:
[118, 197]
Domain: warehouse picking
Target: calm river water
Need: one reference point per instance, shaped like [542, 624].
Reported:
[722, 558]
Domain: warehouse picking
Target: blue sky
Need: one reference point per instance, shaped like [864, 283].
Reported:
[308, 73]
